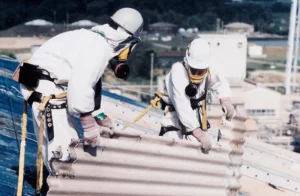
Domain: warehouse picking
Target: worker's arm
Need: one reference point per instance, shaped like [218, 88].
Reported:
[87, 68]
[176, 87]
[221, 89]
[218, 85]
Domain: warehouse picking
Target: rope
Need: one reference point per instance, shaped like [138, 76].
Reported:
[155, 103]
[22, 151]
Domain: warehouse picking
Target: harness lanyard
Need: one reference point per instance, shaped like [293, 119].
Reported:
[203, 108]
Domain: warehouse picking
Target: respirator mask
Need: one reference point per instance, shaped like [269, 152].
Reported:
[119, 63]
[196, 76]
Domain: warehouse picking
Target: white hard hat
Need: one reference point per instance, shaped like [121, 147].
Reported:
[129, 19]
[198, 54]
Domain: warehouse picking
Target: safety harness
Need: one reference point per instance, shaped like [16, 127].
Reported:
[198, 104]
[45, 108]
[46, 115]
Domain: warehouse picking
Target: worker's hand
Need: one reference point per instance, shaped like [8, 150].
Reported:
[106, 122]
[92, 131]
[228, 108]
[203, 138]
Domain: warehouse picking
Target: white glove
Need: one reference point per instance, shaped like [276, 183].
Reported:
[107, 122]
[228, 108]
[92, 131]
[203, 138]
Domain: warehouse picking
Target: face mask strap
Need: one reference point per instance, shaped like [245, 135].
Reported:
[124, 55]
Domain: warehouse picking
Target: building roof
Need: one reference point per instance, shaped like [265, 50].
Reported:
[238, 25]
[162, 24]
[223, 36]
[38, 22]
[84, 23]
[262, 98]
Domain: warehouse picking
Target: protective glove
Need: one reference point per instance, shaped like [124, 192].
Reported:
[228, 108]
[203, 138]
[106, 122]
[103, 120]
[92, 131]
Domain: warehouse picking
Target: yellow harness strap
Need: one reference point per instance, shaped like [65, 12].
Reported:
[46, 99]
[204, 116]
[204, 113]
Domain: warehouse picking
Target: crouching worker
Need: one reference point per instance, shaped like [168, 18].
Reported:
[63, 77]
[185, 102]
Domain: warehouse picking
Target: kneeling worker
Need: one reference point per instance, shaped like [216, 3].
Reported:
[187, 85]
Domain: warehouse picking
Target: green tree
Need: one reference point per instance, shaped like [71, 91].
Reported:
[188, 13]
[139, 61]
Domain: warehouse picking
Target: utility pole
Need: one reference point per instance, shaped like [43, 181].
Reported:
[218, 25]
[67, 15]
[290, 50]
[222, 26]
[295, 66]
[151, 74]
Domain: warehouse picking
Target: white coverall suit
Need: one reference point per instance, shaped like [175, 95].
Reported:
[176, 81]
[76, 59]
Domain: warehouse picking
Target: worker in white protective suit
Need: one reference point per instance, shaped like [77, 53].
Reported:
[74, 62]
[185, 103]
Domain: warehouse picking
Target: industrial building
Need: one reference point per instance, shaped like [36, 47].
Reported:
[239, 27]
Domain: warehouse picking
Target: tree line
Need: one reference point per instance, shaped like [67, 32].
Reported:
[267, 16]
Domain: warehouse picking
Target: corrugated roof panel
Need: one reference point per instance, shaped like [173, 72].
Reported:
[140, 164]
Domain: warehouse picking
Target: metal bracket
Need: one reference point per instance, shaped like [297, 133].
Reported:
[64, 168]
[219, 135]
